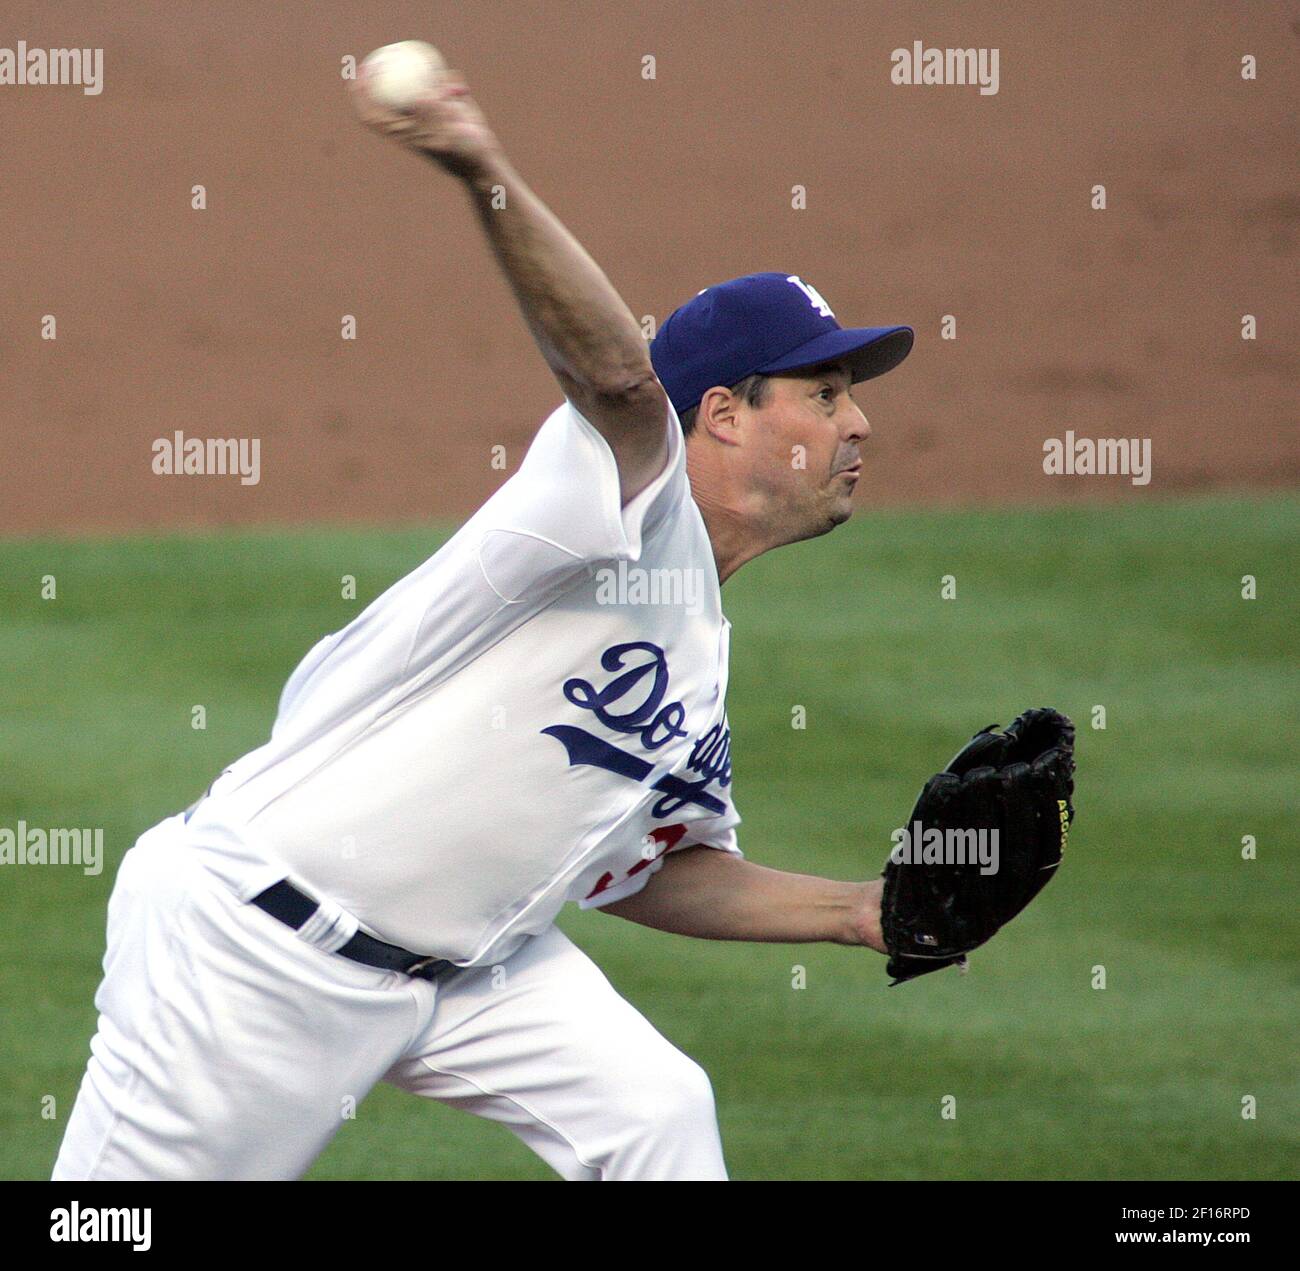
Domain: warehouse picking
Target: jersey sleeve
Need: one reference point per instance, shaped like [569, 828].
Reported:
[723, 840]
[563, 510]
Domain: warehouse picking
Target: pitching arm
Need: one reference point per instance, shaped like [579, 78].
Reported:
[586, 333]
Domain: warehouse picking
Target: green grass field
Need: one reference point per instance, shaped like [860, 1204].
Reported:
[1137, 609]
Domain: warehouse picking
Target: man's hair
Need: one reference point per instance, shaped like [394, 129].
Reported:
[753, 388]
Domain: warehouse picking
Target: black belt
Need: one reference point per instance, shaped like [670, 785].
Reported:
[293, 908]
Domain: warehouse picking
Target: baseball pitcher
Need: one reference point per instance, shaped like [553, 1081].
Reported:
[535, 715]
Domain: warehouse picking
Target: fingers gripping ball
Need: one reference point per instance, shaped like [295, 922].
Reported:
[1013, 788]
[397, 75]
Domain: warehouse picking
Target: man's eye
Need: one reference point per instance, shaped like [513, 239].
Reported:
[824, 391]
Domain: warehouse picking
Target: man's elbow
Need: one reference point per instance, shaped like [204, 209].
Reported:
[622, 386]
[639, 402]
[630, 414]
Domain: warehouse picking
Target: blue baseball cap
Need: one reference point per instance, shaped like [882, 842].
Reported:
[768, 323]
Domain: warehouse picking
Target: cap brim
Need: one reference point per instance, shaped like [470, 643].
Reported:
[869, 351]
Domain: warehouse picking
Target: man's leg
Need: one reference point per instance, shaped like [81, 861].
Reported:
[226, 1045]
[545, 1045]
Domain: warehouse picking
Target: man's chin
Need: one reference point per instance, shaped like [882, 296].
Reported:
[842, 510]
[836, 515]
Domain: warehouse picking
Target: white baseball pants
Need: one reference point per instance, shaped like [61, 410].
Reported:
[230, 1048]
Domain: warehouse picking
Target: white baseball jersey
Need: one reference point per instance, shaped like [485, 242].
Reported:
[534, 715]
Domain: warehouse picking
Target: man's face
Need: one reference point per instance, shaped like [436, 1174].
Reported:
[802, 449]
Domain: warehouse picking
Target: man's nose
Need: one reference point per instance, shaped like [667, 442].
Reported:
[859, 429]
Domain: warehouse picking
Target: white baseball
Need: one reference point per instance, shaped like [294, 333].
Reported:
[399, 73]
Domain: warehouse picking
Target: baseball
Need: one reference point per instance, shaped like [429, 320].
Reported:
[397, 74]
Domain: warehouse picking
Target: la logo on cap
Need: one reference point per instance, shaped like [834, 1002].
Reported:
[814, 296]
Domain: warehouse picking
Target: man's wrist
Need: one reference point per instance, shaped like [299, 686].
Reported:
[863, 920]
[486, 172]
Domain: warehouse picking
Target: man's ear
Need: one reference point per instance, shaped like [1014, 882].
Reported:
[718, 416]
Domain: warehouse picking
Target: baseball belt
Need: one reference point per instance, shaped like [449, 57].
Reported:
[292, 907]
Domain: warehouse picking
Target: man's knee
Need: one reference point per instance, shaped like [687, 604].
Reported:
[684, 1095]
[668, 1102]
[665, 1124]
